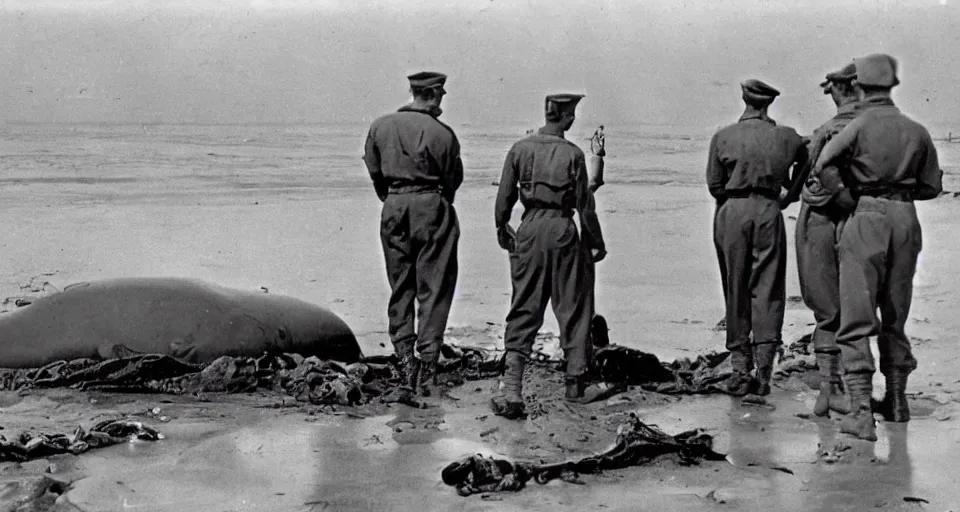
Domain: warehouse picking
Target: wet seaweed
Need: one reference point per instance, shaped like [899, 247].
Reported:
[636, 444]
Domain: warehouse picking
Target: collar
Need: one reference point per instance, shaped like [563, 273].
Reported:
[756, 115]
[549, 130]
[432, 112]
[847, 108]
[880, 101]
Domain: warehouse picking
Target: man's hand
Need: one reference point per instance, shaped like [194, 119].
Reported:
[845, 201]
[598, 254]
[507, 238]
[382, 189]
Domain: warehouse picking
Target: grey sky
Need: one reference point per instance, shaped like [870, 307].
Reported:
[655, 61]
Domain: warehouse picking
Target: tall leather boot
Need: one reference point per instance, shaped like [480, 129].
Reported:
[740, 382]
[894, 406]
[427, 380]
[574, 387]
[764, 355]
[409, 364]
[831, 396]
[510, 404]
[860, 421]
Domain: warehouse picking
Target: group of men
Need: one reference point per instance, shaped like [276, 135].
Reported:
[414, 163]
[857, 237]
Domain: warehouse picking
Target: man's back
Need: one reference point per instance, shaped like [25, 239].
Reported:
[845, 114]
[546, 159]
[412, 147]
[886, 149]
[546, 168]
[754, 153]
[890, 148]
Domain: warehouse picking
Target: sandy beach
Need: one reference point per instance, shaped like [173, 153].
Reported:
[290, 209]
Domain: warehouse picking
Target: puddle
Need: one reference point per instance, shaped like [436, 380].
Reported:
[338, 463]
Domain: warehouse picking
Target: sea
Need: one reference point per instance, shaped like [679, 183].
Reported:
[160, 158]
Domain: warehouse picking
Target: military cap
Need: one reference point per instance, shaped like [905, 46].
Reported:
[427, 80]
[877, 69]
[557, 104]
[844, 74]
[755, 90]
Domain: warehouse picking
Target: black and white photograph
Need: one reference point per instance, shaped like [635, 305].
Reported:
[472, 255]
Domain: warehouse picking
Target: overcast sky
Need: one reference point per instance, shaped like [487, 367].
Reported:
[650, 61]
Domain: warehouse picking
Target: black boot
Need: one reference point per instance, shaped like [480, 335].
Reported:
[764, 355]
[510, 403]
[894, 406]
[574, 388]
[427, 381]
[409, 365]
[411, 370]
[831, 396]
[740, 383]
[860, 421]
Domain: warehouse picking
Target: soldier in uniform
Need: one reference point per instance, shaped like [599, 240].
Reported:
[892, 162]
[748, 173]
[548, 174]
[414, 162]
[816, 238]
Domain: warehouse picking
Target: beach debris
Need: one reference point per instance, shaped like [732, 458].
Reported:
[911, 499]
[318, 382]
[756, 401]
[782, 469]
[31, 445]
[636, 444]
[685, 376]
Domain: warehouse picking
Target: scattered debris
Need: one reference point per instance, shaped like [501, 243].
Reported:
[30, 445]
[911, 499]
[756, 401]
[637, 443]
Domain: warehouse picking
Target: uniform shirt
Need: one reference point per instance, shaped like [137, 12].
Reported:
[884, 148]
[412, 147]
[819, 188]
[546, 171]
[753, 154]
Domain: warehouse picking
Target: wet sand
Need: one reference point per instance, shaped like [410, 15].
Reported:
[318, 241]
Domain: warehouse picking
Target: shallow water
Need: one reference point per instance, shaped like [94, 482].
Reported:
[363, 464]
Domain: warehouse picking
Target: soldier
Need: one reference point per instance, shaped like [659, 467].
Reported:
[548, 258]
[892, 163]
[816, 238]
[414, 162]
[748, 173]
